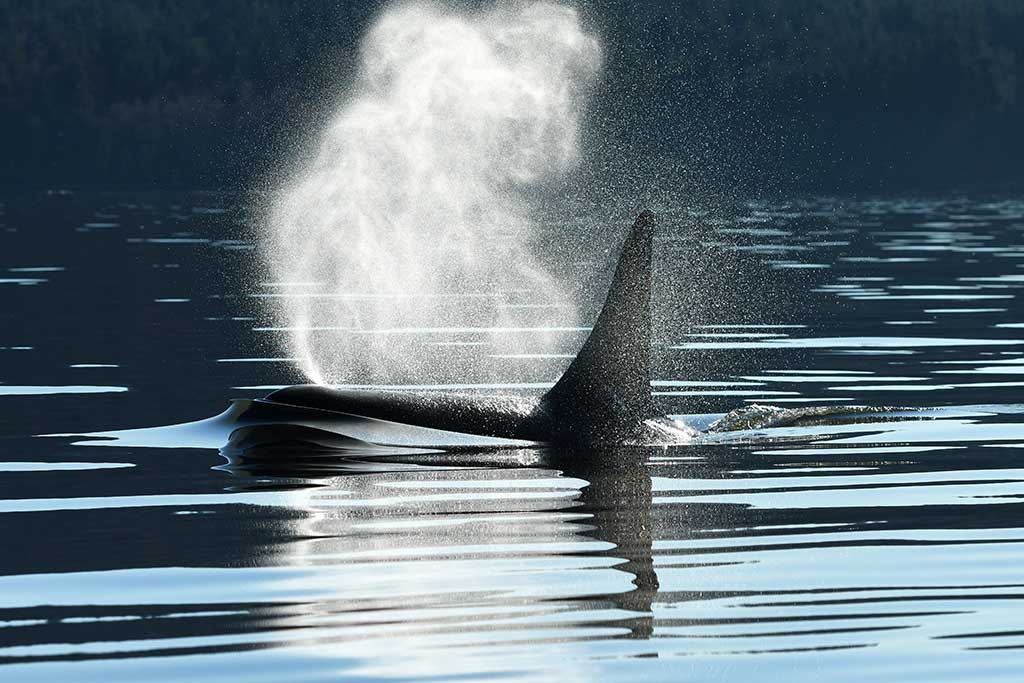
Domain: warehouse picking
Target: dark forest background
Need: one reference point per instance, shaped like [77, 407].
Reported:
[828, 95]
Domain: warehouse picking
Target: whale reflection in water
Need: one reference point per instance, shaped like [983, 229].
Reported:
[613, 506]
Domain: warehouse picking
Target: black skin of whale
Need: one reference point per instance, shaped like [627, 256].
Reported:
[603, 398]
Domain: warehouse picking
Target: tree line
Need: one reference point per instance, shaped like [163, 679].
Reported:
[822, 93]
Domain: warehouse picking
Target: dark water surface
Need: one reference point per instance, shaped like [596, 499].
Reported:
[884, 547]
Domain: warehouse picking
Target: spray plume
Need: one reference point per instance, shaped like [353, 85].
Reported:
[419, 194]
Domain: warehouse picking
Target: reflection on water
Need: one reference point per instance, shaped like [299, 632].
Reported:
[850, 546]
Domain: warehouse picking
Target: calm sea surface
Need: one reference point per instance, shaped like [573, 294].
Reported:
[886, 547]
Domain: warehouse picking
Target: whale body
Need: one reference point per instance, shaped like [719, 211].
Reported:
[603, 398]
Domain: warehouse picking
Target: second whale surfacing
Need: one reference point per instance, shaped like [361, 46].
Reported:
[603, 398]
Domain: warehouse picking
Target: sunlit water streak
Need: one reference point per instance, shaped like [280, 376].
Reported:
[887, 546]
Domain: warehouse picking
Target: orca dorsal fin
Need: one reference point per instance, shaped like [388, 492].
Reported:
[606, 390]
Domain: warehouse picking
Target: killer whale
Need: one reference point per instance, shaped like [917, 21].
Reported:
[603, 398]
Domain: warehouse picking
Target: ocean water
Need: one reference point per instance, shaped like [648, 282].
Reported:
[886, 546]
